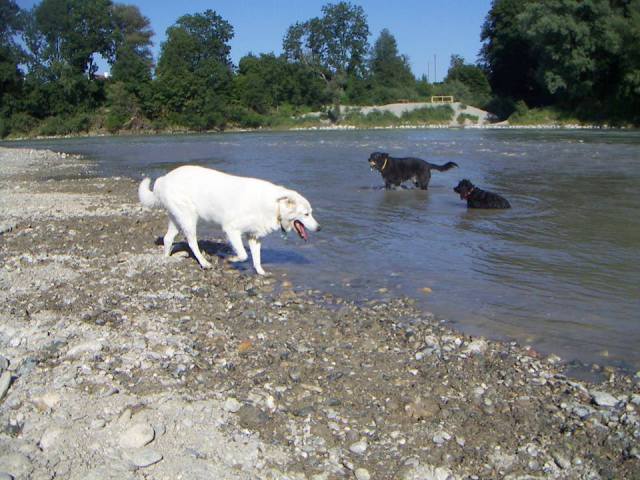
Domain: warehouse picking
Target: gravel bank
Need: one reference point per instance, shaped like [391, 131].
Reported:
[118, 363]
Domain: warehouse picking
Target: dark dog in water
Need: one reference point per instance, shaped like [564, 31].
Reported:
[478, 198]
[394, 171]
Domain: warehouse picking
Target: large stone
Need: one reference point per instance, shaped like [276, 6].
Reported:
[359, 447]
[107, 472]
[91, 347]
[16, 464]
[441, 437]
[143, 457]
[428, 472]
[476, 347]
[603, 399]
[50, 438]
[232, 405]
[48, 401]
[137, 436]
[362, 474]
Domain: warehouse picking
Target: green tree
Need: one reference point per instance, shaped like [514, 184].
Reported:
[478, 91]
[62, 37]
[10, 57]
[260, 82]
[194, 76]
[390, 73]
[507, 54]
[75, 30]
[334, 45]
[132, 61]
[627, 92]
[264, 83]
[575, 45]
[387, 67]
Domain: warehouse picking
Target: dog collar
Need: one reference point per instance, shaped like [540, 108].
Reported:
[466, 197]
[384, 164]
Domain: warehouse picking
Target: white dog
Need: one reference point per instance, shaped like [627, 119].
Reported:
[240, 205]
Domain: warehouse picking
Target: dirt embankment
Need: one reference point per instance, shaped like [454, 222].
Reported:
[118, 363]
[476, 116]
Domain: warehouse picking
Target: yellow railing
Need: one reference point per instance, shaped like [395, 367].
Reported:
[442, 99]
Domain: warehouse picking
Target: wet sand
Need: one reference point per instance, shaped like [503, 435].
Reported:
[118, 363]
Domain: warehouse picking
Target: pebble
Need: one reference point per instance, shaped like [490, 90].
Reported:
[232, 405]
[359, 447]
[476, 347]
[113, 471]
[421, 409]
[362, 474]
[5, 382]
[561, 460]
[4, 364]
[143, 457]
[582, 411]
[441, 437]
[92, 346]
[137, 436]
[603, 399]
[125, 417]
[6, 227]
[48, 401]
[251, 417]
[554, 359]
[428, 472]
[97, 424]
[50, 438]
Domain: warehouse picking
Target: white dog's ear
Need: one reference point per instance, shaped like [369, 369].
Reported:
[290, 201]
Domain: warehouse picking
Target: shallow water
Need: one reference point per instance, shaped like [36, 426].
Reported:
[559, 271]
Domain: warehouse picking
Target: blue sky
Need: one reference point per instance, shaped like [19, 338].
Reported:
[422, 28]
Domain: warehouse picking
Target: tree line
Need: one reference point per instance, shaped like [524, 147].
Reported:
[579, 57]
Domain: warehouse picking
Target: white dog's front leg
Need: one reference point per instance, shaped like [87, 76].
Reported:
[254, 246]
[235, 239]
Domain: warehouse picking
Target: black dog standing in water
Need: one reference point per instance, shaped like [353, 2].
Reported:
[394, 171]
[478, 198]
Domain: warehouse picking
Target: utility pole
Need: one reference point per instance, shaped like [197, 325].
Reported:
[427, 72]
[435, 75]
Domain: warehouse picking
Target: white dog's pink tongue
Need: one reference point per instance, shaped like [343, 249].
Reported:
[300, 229]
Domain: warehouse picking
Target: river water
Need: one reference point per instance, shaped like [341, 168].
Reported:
[559, 271]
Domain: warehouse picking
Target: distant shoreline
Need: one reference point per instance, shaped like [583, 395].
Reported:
[501, 126]
[393, 116]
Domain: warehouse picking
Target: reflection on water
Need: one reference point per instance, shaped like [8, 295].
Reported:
[559, 270]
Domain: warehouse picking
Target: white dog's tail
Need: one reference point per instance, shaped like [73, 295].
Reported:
[146, 195]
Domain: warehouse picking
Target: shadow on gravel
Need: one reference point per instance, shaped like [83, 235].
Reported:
[270, 256]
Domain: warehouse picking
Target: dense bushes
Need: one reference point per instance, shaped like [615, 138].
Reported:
[579, 58]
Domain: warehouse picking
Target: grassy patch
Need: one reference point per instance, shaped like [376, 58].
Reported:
[440, 115]
[541, 116]
[463, 117]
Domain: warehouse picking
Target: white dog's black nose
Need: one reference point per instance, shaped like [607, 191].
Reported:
[319, 228]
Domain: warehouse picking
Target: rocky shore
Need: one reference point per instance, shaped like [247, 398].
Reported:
[116, 363]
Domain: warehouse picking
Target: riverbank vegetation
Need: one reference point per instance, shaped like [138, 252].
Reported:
[541, 61]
